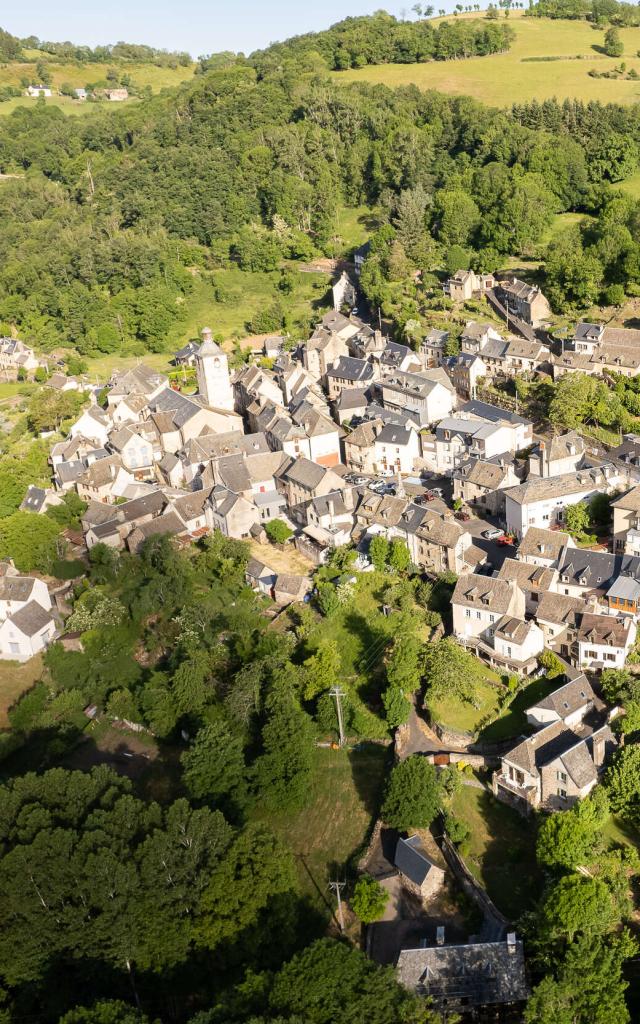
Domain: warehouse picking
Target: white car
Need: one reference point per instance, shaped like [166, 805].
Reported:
[492, 533]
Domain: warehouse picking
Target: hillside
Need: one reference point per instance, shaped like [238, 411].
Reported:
[501, 79]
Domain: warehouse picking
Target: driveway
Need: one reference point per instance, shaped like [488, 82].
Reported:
[496, 553]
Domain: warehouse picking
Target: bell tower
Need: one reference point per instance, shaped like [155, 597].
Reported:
[212, 369]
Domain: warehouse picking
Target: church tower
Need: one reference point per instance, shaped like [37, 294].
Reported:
[214, 385]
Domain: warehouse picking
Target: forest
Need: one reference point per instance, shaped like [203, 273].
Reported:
[113, 217]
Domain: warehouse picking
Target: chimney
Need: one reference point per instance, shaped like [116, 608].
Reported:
[440, 935]
[543, 460]
[206, 334]
[332, 508]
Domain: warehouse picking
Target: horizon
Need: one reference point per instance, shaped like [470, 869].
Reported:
[246, 27]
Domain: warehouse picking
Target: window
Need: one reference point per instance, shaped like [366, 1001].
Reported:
[562, 793]
[467, 612]
[561, 776]
[478, 615]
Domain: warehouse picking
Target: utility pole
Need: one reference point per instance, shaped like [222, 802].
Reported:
[336, 692]
[337, 887]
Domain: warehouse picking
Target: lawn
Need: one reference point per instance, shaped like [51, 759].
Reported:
[513, 720]
[506, 78]
[620, 832]
[341, 806]
[501, 850]
[16, 679]
[463, 716]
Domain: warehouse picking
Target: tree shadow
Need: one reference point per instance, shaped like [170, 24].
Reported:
[509, 870]
[369, 764]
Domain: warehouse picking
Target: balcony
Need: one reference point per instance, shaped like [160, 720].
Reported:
[510, 792]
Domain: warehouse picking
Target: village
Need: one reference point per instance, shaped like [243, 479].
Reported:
[351, 436]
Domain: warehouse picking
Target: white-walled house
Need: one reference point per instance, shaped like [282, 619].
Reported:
[94, 424]
[541, 501]
[26, 622]
[396, 448]
[27, 632]
[479, 603]
[18, 591]
[604, 641]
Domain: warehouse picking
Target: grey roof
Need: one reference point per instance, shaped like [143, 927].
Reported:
[512, 629]
[31, 619]
[351, 398]
[597, 570]
[474, 590]
[182, 408]
[542, 488]
[348, 368]
[479, 974]
[411, 860]
[547, 544]
[34, 499]
[391, 433]
[568, 698]
[190, 349]
[587, 331]
[16, 588]
[558, 608]
[625, 588]
[305, 472]
[493, 412]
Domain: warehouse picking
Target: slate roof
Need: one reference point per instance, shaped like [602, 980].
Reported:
[478, 974]
[305, 472]
[575, 694]
[482, 473]
[541, 543]
[512, 629]
[34, 499]
[625, 588]
[494, 413]
[348, 368]
[30, 619]
[528, 577]
[604, 629]
[558, 608]
[411, 860]
[597, 570]
[543, 488]
[393, 434]
[630, 501]
[16, 588]
[476, 591]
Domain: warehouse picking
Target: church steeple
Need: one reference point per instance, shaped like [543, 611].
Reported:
[212, 370]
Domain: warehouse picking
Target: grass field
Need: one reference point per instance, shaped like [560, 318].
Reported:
[341, 805]
[501, 850]
[16, 679]
[79, 75]
[513, 720]
[462, 716]
[506, 78]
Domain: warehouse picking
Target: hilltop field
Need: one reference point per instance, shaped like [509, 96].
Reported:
[78, 74]
[513, 77]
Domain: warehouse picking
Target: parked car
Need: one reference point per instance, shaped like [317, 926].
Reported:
[463, 516]
[428, 496]
[492, 533]
[506, 539]
[437, 491]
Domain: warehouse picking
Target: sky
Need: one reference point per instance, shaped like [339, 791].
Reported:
[193, 25]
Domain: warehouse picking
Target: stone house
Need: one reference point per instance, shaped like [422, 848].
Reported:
[483, 483]
[418, 873]
[524, 301]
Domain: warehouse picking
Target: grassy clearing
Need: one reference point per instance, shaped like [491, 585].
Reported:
[341, 805]
[506, 78]
[462, 716]
[80, 74]
[66, 104]
[501, 850]
[16, 679]
[513, 720]
[620, 832]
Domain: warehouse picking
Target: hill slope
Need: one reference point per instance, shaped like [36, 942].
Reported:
[512, 77]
